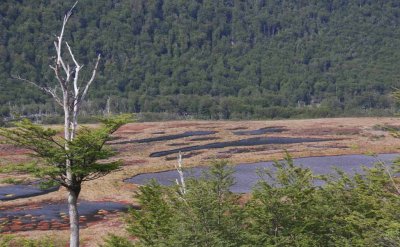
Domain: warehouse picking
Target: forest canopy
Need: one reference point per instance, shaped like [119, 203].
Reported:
[218, 59]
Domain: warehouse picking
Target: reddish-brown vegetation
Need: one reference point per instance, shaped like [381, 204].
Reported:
[349, 136]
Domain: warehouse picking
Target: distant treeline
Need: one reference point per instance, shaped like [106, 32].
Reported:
[220, 59]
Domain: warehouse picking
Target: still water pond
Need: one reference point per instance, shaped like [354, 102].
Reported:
[12, 192]
[246, 175]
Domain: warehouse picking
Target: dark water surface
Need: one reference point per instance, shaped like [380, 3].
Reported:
[169, 137]
[54, 211]
[54, 216]
[245, 142]
[12, 192]
[246, 174]
[260, 131]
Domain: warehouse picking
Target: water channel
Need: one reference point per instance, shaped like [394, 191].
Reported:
[54, 216]
[12, 192]
[246, 175]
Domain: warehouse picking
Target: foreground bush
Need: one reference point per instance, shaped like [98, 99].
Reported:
[286, 208]
[18, 241]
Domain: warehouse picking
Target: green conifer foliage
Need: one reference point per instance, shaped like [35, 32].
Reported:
[87, 152]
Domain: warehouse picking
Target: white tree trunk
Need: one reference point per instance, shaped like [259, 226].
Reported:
[73, 218]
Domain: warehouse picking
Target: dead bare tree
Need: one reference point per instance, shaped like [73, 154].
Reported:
[181, 183]
[69, 93]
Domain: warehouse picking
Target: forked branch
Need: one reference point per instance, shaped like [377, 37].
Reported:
[59, 38]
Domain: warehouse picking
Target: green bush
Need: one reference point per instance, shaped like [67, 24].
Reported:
[285, 209]
[116, 241]
[14, 241]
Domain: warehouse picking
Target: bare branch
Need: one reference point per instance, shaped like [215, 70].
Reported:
[51, 92]
[59, 59]
[72, 8]
[77, 69]
[59, 38]
[72, 55]
[69, 73]
[91, 79]
[61, 81]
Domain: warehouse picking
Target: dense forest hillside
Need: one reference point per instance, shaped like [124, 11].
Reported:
[209, 58]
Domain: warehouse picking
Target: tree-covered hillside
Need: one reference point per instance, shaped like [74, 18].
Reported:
[209, 58]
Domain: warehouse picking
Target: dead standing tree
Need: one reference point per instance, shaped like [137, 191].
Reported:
[69, 93]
